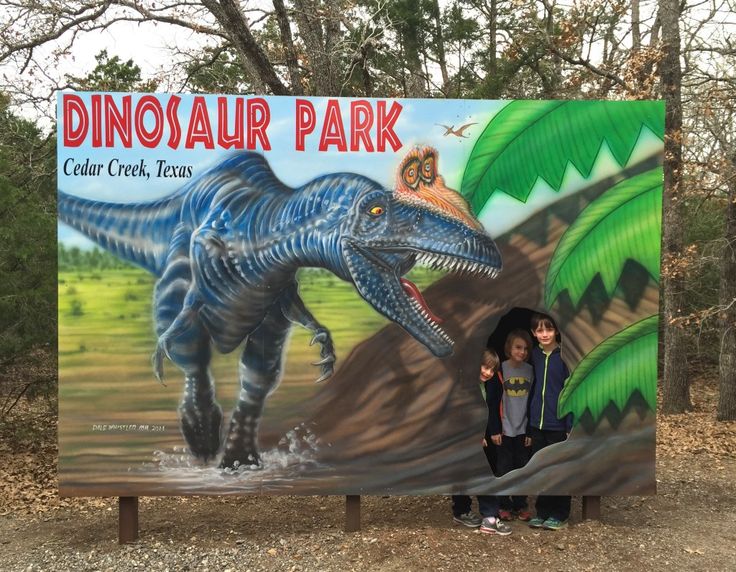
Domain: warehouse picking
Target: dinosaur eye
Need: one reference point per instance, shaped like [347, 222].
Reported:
[428, 169]
[376, 210]
[410, 173]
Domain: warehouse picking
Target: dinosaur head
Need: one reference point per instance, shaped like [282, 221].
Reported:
[388, 232]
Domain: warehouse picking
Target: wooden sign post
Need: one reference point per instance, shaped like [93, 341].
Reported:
[352, 513]
[127, 519]
[591, 508]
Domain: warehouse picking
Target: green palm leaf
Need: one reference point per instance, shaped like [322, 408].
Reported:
[622, 224]
[531, 139]
[617, 368]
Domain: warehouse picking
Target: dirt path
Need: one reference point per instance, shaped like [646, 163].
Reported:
[690, 524]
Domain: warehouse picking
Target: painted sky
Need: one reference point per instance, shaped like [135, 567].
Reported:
[417, 125]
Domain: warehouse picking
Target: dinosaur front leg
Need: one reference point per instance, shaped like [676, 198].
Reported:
[259, 373]
[294, 309]
[183, 338]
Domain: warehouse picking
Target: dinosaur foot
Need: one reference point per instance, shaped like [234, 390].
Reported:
[201, 429]
[327, 353]
[235, 459]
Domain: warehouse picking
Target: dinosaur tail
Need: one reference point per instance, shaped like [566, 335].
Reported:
[139, 232]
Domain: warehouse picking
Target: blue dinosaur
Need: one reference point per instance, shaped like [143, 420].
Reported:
[226, 248]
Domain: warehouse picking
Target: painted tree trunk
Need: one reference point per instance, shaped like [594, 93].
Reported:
[399, 413]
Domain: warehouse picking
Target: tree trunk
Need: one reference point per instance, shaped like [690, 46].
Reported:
[231, 19]
[551, 84]
[415, 82]
[332, 38]
[635, 27]
[292, 62]
[676, 391]
[319, 44]
[439, 38]
[727, 360]
[365, 52]
[492, 39]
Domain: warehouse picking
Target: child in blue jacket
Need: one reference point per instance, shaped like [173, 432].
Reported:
[544, 427]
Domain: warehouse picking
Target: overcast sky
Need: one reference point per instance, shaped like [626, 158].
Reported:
[153, 48]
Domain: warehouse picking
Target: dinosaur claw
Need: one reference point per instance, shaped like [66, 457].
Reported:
[158, 366]
[165, 348]
[320, 337]
[323, 377]
[327, 353]
[157, 359]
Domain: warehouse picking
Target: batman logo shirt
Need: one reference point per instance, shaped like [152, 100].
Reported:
[517, 386]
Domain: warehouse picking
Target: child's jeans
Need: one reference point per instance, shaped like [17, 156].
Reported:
[550, 506]
[487, 505]
[512, 455]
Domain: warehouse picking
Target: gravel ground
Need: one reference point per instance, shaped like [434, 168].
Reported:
[674, 530]
[690, 524]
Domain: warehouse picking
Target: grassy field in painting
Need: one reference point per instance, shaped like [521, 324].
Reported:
[106, 339]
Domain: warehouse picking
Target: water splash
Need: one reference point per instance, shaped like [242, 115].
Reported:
[294, 456]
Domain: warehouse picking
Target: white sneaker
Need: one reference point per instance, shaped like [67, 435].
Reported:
[493, 525]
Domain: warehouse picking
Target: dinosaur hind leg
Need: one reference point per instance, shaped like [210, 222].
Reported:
[199, 413]
[259, 374]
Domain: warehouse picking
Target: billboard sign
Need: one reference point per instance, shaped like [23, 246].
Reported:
[292, 295]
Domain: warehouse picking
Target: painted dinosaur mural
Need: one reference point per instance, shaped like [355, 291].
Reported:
[245, 216]
[226, 249]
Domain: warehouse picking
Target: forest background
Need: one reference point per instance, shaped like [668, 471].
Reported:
[680, 51]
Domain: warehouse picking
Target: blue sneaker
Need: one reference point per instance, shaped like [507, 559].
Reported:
[536, 522]
[554, 524]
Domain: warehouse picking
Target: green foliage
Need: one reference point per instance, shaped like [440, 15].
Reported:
[27, 235]
[112, 74]
[623, 364]
[74, 258]
[528, 140]
[76, 308]
[218, 70]
[705, 229]
[28, 261]
[622, 224]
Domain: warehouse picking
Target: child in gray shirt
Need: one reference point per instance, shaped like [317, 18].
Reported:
[513, 452]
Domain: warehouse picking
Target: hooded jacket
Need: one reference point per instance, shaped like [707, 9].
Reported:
[550, 374]
[494, 393]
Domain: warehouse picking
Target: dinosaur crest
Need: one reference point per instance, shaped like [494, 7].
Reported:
[418, 179]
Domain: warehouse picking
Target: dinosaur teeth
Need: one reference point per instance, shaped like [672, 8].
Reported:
[459, 266]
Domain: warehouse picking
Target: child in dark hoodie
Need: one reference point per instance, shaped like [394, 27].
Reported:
[544, 427]
[492, 389]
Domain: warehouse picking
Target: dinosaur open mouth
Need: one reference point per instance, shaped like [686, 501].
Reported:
[378, 276]
[411, 289]
[449, 263]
